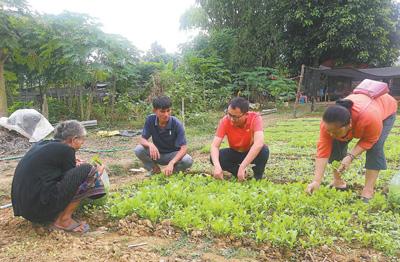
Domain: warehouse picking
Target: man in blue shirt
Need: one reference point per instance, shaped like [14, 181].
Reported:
[168, 146]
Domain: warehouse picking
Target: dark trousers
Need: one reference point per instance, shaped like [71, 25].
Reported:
[375, 156]
[68, 186]
[231, 159]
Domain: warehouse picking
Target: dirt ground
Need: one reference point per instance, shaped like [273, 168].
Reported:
[109, 240]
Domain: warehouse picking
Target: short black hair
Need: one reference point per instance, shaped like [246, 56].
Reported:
[339, 113]
[241, 103]
[162, 102]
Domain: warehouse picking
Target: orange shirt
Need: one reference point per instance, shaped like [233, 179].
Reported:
[366, 122]
[240, 139]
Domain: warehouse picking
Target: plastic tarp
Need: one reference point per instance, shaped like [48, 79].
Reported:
[361, 74]
[29, 123]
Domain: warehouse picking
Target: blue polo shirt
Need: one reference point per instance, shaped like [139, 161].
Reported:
[167, 139]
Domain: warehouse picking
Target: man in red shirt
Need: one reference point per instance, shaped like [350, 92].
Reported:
[246, 142]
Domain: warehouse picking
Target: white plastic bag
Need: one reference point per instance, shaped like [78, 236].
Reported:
[106, 180]
[29, 123]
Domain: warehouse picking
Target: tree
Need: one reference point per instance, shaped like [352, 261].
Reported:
[120, 58]
[194, 17]
[12, 13]
[157, 54]
[67, 50]
[32, 59]
[75, 49]
[347, 32]
[252, 38]
[219, 43]
[287, 33]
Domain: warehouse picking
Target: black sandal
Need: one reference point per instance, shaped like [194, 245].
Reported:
[339, 188]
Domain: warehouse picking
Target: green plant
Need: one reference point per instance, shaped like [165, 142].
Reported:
[276, 209]
[19, 105]
[278, 213]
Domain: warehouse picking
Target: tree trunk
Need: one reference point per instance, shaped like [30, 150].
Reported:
[81, 103]
[43, 101]
[45, 106]
[90, 101]
[298, 91]
[10, 97]
[41, 93]
[3, 94]
[65, 94]
[70, 96]
[114, 92]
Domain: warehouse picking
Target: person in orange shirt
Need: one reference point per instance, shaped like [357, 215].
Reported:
[246, 142]
[356, 116]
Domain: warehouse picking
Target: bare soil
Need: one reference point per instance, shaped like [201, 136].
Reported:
[109, 239]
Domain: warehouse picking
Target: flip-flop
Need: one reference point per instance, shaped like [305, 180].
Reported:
[71, 228]
[365, 199]
[85, 228]
[339, 188]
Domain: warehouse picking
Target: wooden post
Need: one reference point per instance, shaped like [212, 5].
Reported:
[313, 104]
[183, 112]
[45, 106]
[326, 94]
[298, 90]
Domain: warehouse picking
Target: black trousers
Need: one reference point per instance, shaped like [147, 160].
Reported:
[231, 159]
[375, 156]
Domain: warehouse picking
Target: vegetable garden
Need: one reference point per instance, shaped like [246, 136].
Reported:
[275, 210]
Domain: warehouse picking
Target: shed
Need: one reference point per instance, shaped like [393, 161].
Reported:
[327, 84]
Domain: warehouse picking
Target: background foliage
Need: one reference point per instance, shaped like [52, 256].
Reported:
[249, 48]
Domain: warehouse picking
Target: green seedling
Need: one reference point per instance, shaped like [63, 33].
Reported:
[335, 165]
[275, 210]
[95, 160]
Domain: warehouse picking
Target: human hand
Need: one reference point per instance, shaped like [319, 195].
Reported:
[169, 169]
[241, 175]
[79, 161]
[154, 153]
[345, 164]
[100, 168]
[218, 173]
[313, 186]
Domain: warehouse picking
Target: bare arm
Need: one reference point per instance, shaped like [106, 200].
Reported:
[154, 153]
[214, 151]
[254, 149]
[345, 164]
[170, 167]
[357, 150]
[144, 142]
[320, 165]
[181, 153]
[253, 152]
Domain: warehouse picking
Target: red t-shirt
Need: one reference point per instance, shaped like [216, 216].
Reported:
[240, 139]
[366, 122]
